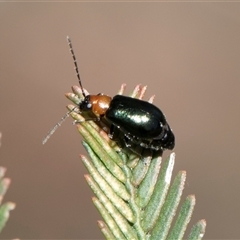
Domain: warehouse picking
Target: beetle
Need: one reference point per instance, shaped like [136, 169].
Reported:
[140, 122]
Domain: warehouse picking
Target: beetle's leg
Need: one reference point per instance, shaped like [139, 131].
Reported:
[127, 141]
[86, 119]
[111, 132]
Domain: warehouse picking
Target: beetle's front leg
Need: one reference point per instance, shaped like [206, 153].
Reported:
[95, 119]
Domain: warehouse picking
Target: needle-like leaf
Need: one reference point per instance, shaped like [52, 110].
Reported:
[8, 206]
[134, 194]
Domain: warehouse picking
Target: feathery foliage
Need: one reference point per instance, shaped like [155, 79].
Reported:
[133, 194]
[8, 206]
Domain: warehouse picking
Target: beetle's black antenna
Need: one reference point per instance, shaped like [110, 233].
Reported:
[51, 132]
[75, 63]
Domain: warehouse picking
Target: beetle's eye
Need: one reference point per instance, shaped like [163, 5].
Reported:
[89, 105]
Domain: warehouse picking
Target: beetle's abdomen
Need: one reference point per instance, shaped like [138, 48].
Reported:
[137, 117]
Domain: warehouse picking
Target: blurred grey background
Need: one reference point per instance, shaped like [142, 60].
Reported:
[187, 53]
